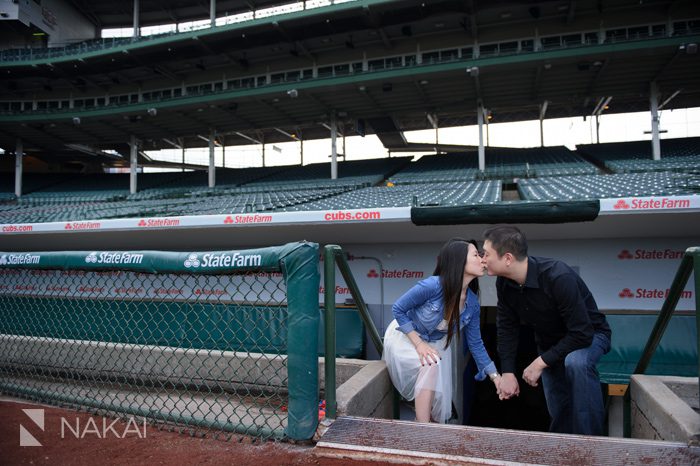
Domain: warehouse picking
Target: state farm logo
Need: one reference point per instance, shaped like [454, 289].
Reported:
[625, 254]
[651, 254]
[397, 273]
[652, 293]
[159, 222]
[18, 259]
[228, 220]
[626, 293]
[82, 226]
[192, 261]
[621, 204]
[114, 258]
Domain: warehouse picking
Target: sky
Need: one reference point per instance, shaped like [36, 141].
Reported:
[557, 132]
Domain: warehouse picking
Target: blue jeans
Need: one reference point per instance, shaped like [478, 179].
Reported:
[573, 393]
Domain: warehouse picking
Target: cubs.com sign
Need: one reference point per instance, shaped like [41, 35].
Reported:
[223, 260]
[19, 259]
[114, 258]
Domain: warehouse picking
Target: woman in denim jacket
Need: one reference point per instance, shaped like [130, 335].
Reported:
[416, 343]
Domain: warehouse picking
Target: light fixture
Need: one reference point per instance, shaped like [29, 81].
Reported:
[152, 111]
[293, 93]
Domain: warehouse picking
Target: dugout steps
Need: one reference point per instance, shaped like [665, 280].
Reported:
[445, 444]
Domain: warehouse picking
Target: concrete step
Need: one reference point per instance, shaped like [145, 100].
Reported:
[411, 442]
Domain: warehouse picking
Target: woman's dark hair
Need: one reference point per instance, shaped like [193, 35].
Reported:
[450, 268]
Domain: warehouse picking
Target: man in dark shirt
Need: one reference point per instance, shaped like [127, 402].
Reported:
[571, 333]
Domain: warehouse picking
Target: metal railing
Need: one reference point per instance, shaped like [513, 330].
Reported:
[333, 255]
[689, 264]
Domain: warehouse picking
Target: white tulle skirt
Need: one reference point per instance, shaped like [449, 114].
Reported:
[410, 378]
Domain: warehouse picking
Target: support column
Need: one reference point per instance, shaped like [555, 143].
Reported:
[212, 12]
[19, 163]
[263, 150]
[212, 167]
[543, 111]
[137, 32]
[133, 144]
[480, 121]
[182, 144]
[334, 150]
[301, 150]
[654, 104]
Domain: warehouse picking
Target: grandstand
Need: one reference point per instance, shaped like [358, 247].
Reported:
[70, 114]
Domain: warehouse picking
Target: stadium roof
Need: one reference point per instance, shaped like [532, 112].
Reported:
[565, 80]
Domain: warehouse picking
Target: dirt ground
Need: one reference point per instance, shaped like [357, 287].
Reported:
[107, 441]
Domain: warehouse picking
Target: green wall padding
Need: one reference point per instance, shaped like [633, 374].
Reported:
[677, 353]
[515, 212]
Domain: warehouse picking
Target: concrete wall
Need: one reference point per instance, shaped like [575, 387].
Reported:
[363, 387]
[665, 408]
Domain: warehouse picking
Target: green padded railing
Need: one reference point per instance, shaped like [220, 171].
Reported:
[220, 341]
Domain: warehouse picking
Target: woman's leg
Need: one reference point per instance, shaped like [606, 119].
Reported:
[425, 392]
[424, 401]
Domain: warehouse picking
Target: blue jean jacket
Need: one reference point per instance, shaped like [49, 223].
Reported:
[422, 308]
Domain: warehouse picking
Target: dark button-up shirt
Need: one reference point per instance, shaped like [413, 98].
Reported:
[555, 303]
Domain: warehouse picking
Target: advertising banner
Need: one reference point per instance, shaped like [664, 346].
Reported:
[623, 274]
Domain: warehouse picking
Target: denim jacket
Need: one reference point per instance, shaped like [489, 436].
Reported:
[422, 308]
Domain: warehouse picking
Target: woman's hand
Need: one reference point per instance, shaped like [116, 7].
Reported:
[427, 354]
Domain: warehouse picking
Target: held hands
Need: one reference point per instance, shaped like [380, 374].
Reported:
[507, 386]
[533, 372]
[427, 354]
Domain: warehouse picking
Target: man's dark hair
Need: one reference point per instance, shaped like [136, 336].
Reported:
[506, 238]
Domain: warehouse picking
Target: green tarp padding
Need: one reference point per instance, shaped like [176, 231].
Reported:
[300, 268]
[195, 262]
[516, 212]
[224, 327]
[677, 353]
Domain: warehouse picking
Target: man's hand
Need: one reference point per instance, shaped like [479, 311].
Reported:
[508, 386]
[533, 372]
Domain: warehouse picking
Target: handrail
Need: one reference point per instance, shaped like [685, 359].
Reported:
[689, 263]
[333, 255]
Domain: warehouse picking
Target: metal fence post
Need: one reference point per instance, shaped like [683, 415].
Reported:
[329, 298]
[696, 270]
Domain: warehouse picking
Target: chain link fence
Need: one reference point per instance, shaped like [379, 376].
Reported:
[222, 342]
